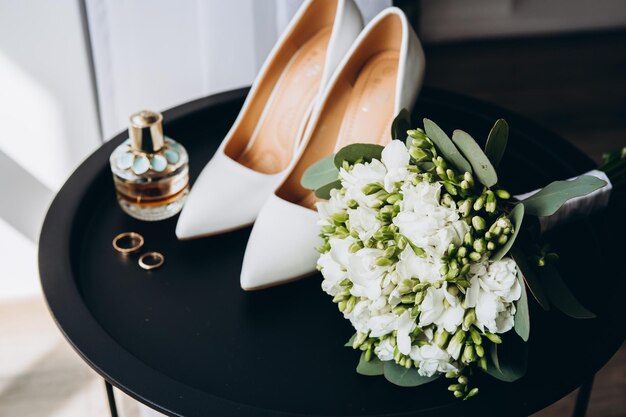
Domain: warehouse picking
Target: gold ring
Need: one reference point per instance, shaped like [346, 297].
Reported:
[127, 242]
[151, 260]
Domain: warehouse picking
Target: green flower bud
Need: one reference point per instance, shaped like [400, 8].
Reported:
[408, 299]
[328, 229]
[476, 338]
[472, 392]
[465, 185]
[456, 344]
[502, 239]
[382, 261]
[470, 318]
[450, 188]
[491, 246]
[456, 387]
[482, 363]
[419, 297]
[480, 350]
[451, 374]
[398, 310]
[504, 222]
[461, 252]
[342, 305]
[469, 178]
[478, 223]
[353, 204]
[394, 198]
[468, 354]
[490, 205]
[450, 174]
[350, 304]
[402, 361]
[465, 207]
[356, 246]
[480, 245]
[372, 188]
[494, 338]
[503, 194]
[479, 203]
[468, 239]
[441, 338]
[409, 363]
[463, 380]
[475, 256]
[359, 339]
[346, 283]
[415, 311]
[340, 217]
[458, 394]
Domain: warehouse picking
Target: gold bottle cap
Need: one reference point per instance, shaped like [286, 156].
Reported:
[146, 131]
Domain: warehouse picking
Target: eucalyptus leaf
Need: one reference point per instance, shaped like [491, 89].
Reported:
[509, 360]
[400, 125]
[358, 151]
[560, 295]
[547, 201]
[350, 341]
[324, 191]
[403, 377]
[320, 173]
[483, 170]
[522, 315]
[517, 216]
[373, 367]
[496, 142]
[531, 278]
[445, 146]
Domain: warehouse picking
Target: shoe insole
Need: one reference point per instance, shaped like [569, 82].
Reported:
[274, 139]
[369, 113]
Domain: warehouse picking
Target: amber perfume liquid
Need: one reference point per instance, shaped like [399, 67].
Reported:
[150, 171]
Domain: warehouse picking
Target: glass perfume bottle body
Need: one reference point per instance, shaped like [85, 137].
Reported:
[151, 182]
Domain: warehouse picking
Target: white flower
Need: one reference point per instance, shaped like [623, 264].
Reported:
[416, 196]
[361, 175]
[493, 289]
[395, 157]
[360, 316]
[363, 221]
[501, 279]
[432, 228]
[337, 203]
[365, 275]
[384, 350]
[333, 274]
[404, 326]
[431, 359]
[382, 324]
[431, 307]
[425, 269]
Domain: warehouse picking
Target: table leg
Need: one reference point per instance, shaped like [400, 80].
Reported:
[111, 398]
[582, 400]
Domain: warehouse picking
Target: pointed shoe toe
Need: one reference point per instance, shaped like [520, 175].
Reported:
[281, 246]
[226, 196]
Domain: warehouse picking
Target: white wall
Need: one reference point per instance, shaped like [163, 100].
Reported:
[48, 124]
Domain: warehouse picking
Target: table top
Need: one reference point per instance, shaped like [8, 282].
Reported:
[187, 341]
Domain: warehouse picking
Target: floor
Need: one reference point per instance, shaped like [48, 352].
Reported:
[575, 85]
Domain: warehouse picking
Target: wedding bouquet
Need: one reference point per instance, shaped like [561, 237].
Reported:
[430, 258]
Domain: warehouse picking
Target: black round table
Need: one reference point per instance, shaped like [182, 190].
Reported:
[187, 341]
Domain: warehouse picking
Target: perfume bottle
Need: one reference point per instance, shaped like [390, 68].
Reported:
[150, 171]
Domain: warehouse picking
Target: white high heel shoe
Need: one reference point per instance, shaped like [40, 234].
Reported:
[381, 74]
[261, 146]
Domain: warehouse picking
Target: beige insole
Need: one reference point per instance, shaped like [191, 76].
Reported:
[370, 108]
[274, 139]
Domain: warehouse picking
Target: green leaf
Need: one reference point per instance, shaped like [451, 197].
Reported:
[483, 170]
[517, 216]
[320, 173]
[496, 142]
[349, 342]
[358, 152]
[445, 146]
[400, 125]
[403, 377]
[547, 201]
[372, 368]
[531, 278]
[522, 315]
[509, 360]
[560, 295]
[324, 191]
